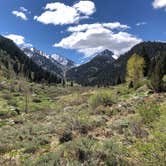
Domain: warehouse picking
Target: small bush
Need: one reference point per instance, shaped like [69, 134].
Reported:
[114, 153]
[149, 112]
[103, 98]
[12, 103]
[66, 136]
[7, 97]
[4, 149]
[30, 150]
[36, 101]
[141, 83]
[81, 150]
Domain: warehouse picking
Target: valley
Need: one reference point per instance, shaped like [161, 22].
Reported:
[82, 83]
[47, 119]
[81, 125]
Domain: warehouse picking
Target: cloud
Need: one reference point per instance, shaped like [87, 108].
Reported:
[85, 7]
[18, 39]
[84, 27]
[59, 14]
[20, 14]
[23, 9]
[90, 39]
[141, 23]
[159, 4]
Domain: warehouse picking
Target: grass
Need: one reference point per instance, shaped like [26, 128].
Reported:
[82, 126]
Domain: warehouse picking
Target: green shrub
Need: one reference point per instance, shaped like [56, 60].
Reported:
[4, 149]
[66, 136]
[81, 150]
[12, 103]
[114, 153]
[7, 97]
[30, 150]
[149, 112]
[102, 98]
[36, 101]
[141, 83]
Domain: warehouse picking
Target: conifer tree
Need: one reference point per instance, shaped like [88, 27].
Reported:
[147, 61]
[158, 69]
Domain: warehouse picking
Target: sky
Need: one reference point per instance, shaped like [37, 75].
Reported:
[80, 29]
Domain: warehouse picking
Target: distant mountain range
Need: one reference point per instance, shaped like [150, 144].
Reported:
[54, 63]
[105, 70]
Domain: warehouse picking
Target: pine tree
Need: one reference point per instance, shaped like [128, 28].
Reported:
[63, 83]
[158, 69]
[147, 61]
[71, 84]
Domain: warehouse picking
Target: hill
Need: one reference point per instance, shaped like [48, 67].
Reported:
[12, 58]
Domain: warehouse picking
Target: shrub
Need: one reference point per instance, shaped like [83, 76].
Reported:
[4, 149]
[12, 103]
[102, 98]
[149, 112]
[30, 150]
[141, 83]
[81, 150]
[65, 137]
[36, 101]
[7, 97]
[114, 153]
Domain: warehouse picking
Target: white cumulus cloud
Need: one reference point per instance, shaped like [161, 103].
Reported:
[159, 4]
[18, 39]
[84, 27]
[59, 14]
[85, 7]
[20, 14]
[90, 39]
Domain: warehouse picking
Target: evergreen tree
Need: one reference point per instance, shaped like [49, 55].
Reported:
[71, 84]
[63, 83]
[158, 69]
[147, 61]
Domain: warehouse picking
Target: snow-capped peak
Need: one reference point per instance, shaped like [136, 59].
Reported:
[55, 58]
[62, 60]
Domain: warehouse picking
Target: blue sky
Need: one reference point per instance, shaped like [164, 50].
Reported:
[80, 29]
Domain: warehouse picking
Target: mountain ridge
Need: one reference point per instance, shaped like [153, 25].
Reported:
[90, 68]
[113, 73]
[51, 62]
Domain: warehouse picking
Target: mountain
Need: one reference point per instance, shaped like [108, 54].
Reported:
[53, 63]
[13, 58]
[65, 62]
[114, 72]
[44, 61]
[88, 72]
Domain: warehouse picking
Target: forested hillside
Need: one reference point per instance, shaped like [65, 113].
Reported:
[13, 59]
